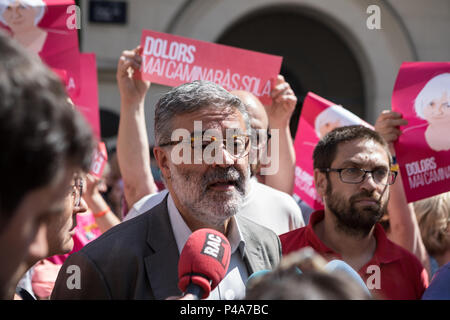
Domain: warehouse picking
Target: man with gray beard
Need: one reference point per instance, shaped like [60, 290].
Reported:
[138, 258]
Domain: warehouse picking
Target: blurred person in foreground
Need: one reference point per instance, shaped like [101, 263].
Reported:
[86, 216]
[39, 279]
[44, 142]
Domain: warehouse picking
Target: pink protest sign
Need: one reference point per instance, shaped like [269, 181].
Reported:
[99, 160]
[62, 74]
[42, 28]
[87, 99]
[422, 95]
[319, 116]
[173, 60]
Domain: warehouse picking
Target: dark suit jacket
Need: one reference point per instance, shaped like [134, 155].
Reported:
[138, 259]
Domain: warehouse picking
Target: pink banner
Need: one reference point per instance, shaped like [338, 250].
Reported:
[87, 100]
[422, 95]
[42, 27]
[99, 160]
[319, 116]
[47, 28]
[173, 60]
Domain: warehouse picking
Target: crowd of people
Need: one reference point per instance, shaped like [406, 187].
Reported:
[124, 232]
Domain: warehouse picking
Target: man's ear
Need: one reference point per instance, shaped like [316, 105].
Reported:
[162, 159]
[320, 182]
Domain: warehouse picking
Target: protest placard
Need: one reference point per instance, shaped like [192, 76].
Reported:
[41, 27]
[318, 117]
[87, 99]
[173, 60]
[99, 160]
[422, 95]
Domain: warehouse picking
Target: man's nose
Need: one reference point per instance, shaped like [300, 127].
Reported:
[225, 158]
[369, 183]
[81, 208]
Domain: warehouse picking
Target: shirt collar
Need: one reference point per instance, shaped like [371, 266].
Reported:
[311, 236]
[235, 236]
[385, 252]
[182, 232]
[180, 229]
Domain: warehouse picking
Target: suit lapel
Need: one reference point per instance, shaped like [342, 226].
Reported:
[162, 264]
[253, 258]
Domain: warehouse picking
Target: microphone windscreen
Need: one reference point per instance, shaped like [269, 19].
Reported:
[341, 266]
[256, 275]
[204, 260]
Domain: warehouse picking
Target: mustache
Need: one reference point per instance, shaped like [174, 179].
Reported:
[364, 195]
[229, 174]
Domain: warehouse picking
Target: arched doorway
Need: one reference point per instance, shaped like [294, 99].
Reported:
[315, 58]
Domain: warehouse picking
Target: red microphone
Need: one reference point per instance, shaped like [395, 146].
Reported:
[203, 262]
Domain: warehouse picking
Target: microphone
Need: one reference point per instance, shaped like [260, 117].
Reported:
[203, 262]
[256, 276]
[341, 266]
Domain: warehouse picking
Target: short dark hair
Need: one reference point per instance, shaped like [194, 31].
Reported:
[325, 151]
[40, 132]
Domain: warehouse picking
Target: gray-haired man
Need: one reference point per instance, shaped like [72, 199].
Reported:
[138, 259]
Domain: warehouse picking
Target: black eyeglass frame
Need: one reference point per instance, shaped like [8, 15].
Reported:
[393, 173]
[247, 144]
[77, 191]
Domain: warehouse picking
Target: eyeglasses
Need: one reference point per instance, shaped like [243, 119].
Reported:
[357, 175]
[260, 137]
[237, 146]
[77, 191]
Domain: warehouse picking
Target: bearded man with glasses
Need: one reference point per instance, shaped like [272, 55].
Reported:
[138, 258]
[352, 172]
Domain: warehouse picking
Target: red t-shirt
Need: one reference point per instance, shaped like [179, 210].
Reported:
[392, 273]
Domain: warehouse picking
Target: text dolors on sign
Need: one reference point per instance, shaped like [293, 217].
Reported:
[173, 60]
[319, 116]
[422, 95]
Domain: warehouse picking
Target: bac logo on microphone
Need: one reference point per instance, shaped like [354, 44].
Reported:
[213, 247]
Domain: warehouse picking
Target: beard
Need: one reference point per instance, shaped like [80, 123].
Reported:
[209, 206]
[352, 219]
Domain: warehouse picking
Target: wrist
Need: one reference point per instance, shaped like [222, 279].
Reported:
[279, 124]
[131, 103]
[95, 202]
[101, 213]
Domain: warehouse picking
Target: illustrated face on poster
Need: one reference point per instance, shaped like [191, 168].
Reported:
[23, 17]
[41, 27]
[421, 94]
[433, 105]
[334, 117]
[319, 116]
